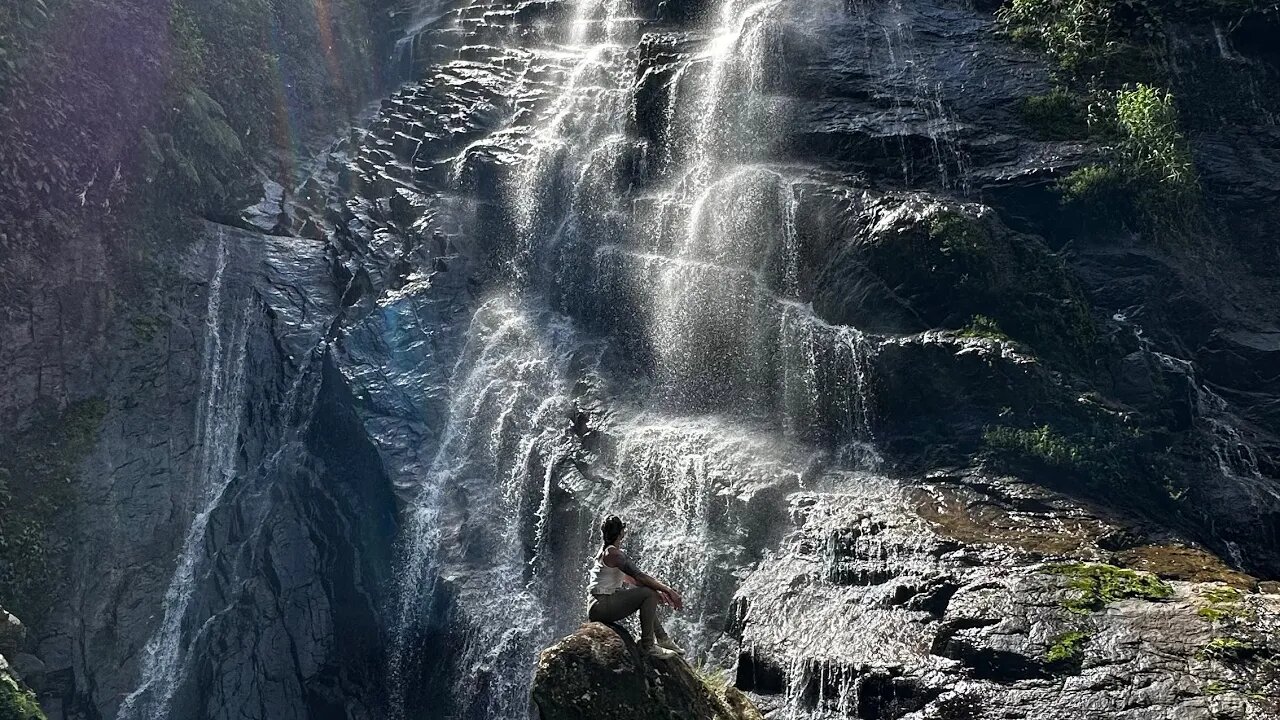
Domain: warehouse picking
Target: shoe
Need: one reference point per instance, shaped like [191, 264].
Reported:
[659, 652]
[671, 645]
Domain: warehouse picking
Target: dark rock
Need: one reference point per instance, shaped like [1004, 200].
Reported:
[599, 672]
[12, 633]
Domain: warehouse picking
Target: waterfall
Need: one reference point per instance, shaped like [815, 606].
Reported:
[663, 274]
[217, 432]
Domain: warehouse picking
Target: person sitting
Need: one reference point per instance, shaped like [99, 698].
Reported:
[618, 588]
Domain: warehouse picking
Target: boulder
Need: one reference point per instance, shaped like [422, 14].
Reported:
[599, 673]
[12, 633]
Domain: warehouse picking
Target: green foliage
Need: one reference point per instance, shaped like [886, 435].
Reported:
[1110, 37]
[1222, 604]
[1229, 648]
[1066, 648]
[1151, 146]
[1043, 445]
[17, 703]
[1056, 115]
[1149, 179]
[963, 241]
[37, 471]
[981, 326]
[1097, 585]
[1078, 35]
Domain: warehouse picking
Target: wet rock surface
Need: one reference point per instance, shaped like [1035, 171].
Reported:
[539, 285]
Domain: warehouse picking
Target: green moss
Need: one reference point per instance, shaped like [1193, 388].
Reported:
[714, 678]
[1066, 648]
[37, 471]
[1102, 192]
[981, 326]
[17, 703]
[1056, 115]
[1094, 586]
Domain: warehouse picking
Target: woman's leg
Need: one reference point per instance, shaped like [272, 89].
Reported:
[612, 608]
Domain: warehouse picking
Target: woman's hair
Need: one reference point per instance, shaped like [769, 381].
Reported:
[610, 529]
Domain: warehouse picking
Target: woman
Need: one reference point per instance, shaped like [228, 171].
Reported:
[619, 588]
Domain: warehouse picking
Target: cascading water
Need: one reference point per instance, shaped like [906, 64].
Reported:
[664, 274]
[217, 435]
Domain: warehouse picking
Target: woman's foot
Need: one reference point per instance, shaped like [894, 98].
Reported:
[656, 650]
[671, 645]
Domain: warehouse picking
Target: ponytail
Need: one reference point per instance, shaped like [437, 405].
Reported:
[611, 529]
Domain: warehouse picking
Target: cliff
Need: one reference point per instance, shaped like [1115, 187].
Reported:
[913, 374]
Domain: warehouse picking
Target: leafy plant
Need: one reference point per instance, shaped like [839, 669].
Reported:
[1152, 146]
[1229, 648]
[1056, 115]
[16, 702]
[981, 326]
[1041, 443]
[1148, 180]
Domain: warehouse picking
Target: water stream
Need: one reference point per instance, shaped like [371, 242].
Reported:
[217, 437]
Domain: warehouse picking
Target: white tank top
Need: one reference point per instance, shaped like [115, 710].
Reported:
[605, 580]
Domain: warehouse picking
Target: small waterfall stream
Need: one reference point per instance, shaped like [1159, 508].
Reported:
[217, 437]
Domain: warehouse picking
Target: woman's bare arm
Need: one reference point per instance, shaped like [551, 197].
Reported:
[614, 557]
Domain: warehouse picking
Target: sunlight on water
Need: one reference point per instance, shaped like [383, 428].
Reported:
[750, 390]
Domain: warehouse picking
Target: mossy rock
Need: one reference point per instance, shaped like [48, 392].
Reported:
[922, 265]
[600, 672]
[1096, 585]
[1056, 115]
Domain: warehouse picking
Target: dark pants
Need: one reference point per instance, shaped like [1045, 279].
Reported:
[623, 602]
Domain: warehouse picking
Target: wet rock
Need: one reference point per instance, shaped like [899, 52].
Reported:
[600, 672]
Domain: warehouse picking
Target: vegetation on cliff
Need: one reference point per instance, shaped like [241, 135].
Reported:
[17, 702]
[37, 471]
[1113, 65]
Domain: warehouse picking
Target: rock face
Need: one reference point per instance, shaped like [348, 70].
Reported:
[599, 672]
[787, 285]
